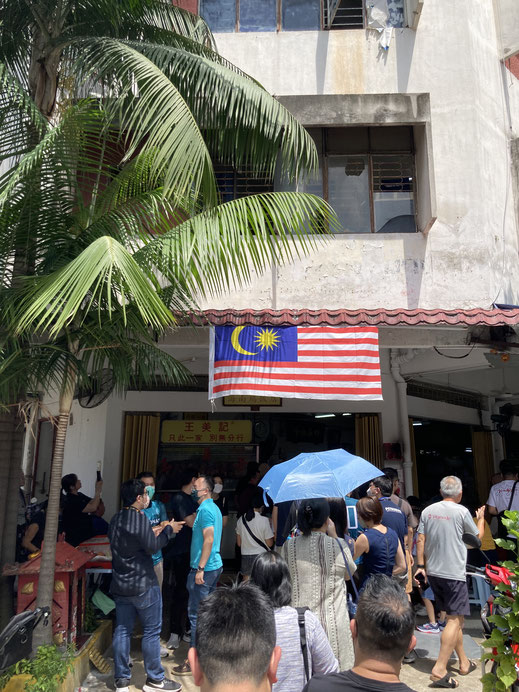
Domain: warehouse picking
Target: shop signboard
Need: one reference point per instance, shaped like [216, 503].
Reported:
[246, 400]
[206, 431]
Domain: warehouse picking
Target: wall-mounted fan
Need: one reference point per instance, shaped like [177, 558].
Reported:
[98, 390]
[503, 419]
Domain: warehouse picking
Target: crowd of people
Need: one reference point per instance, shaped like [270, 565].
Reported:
[298, 620]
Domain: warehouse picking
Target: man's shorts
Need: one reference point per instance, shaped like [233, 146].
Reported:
[450, 595]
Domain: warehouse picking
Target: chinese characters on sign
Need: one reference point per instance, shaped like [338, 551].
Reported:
[245, 400]
[206, 431]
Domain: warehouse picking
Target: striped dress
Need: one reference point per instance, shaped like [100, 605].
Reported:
[317, 569]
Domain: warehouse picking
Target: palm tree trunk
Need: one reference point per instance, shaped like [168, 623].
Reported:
[43, 635]
[7, 425]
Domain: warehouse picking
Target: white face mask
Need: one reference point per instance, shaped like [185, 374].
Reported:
[218, 487]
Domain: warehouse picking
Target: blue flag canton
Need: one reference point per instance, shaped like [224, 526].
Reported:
[264, 344]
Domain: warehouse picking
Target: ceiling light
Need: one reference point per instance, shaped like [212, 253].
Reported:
[346, 414]
[417, 422]
[325, 415]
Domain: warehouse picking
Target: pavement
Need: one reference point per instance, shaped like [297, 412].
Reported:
[415, 675]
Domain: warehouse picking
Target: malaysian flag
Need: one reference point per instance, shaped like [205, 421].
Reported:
[295, 362]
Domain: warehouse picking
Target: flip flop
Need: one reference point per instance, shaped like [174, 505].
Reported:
[472, 666]
[447, 681]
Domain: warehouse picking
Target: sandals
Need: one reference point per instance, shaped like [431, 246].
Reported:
[447, 682]
[472, 666]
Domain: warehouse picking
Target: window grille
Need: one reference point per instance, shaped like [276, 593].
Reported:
[343, 14]
[234, 184]
[424, 390]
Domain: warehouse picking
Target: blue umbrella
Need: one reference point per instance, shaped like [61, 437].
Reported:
[333, 473]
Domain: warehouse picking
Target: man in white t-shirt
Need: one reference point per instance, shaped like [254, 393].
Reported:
[500, 493]
[254, 534]
[441, 556]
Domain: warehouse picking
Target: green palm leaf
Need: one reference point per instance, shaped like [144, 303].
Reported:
[218, 249]
[105, 273]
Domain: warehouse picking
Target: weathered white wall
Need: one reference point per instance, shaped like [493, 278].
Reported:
[470, 256]
[507, 22]
[85, 443]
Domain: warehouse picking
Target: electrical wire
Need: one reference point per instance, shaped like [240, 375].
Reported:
[465, 355]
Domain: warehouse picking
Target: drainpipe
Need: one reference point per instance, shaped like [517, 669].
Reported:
[397, 359]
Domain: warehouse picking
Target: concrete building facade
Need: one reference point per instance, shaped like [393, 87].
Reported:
[414, 109]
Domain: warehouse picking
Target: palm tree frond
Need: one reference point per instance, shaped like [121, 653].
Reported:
[218, 249]
[105, 273]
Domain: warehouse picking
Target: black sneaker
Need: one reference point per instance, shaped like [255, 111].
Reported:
[165, 684]
[122, 685]
[410, 657]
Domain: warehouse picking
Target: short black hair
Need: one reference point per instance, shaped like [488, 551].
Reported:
[312, 514]
[390, 472]
[507, 467]
[384, 484]
[209, 482]
[68, 482]
[130, 490]
[256, 501]
[270, 573]
[145, 474]
[235, 635]
[385, 619]
[186, 476]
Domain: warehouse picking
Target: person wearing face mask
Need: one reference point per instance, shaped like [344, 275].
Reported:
[156, 513]
[219, 500]
[205, 559]
[183, 508]
[135, 588]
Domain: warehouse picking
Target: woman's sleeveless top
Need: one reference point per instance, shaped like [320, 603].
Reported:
[382, 552]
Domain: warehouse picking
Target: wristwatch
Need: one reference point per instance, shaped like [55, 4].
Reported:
[200, 568]
[420, 566]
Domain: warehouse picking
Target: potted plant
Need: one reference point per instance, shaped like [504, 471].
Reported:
[504, 639]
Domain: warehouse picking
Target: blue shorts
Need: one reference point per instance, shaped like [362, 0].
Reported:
[428, 593]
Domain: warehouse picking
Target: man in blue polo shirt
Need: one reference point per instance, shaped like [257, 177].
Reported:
[205, 559]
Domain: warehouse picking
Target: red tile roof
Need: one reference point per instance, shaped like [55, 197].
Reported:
[380, 317]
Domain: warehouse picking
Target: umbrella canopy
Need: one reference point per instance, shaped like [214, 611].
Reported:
[333, 473]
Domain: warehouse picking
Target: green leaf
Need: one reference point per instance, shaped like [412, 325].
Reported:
[105, 272]
[499, 620]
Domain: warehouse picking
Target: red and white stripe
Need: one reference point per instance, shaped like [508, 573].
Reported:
[333, 363]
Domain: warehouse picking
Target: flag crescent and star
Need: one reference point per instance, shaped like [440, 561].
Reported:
[307, 362]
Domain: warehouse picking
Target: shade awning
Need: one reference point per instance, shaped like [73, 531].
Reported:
[378, 317]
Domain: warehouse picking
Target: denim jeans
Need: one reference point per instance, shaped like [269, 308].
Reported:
[197, 593]
[148, 606]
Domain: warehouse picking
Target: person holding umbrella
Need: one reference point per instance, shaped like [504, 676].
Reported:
[319, 563]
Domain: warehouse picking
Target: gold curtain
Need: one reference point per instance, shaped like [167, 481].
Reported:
[483, 462]
[413, 459]
[141, 444]
[368, 439]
